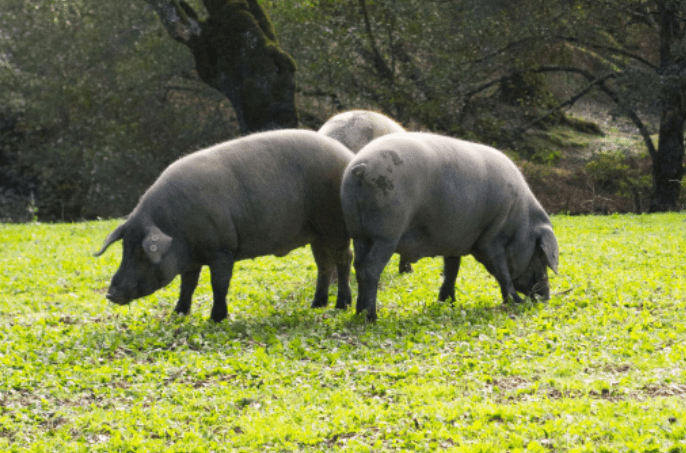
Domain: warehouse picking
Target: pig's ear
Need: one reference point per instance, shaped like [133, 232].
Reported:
[548, 245]
[156, 244]
[114, 236]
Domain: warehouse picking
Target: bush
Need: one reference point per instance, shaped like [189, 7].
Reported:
[103, 103]
[621, 173]
[546, 157]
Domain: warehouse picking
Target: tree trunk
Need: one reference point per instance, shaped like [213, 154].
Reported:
[236, 52]
[668, 161]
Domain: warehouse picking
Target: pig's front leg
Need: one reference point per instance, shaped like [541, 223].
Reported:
[189, 281]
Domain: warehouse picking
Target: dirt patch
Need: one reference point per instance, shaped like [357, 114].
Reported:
[655, 390]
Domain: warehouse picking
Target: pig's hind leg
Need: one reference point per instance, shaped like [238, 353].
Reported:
[333, 260]
[221, 270]
[404, 266]
[343, 265]
[371, 256]
[451, 266]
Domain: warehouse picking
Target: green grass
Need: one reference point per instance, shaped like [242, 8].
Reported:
[601, 367]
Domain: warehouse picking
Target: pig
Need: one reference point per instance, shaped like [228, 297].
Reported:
[355, 129]
[263, 194]
[425, 195]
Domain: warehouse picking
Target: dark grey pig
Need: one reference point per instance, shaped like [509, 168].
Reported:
[355, 129]
[428, 195]
[265, 194]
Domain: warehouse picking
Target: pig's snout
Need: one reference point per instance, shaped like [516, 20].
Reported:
[541, 290]
[117, 298]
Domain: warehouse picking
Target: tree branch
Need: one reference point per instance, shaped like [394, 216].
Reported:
[382, 68]
[645, 133]
[502, 50]
[614, 50]
[470, 94]
[262, 20]
[178, 18]
[569, 102]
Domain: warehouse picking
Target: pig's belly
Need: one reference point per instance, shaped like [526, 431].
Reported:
[277, 245]
[418, 243]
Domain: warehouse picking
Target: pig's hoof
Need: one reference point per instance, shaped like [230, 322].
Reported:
[218, 315]
[370, 315]
[513, 298]
[342, 304]
[320, 302]
[405, 268]
[446, 296]
[182, 310]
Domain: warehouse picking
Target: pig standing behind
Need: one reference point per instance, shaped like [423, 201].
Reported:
[424, 195]
[267, 193]
[355, 129]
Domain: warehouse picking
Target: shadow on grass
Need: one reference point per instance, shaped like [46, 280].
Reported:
[148, 329]
[266, 302]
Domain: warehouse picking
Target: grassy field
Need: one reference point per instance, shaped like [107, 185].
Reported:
[601, 367]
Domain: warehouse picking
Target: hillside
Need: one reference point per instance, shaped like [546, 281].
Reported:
[577, 172]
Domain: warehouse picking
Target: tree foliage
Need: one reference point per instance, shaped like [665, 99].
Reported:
[95, 99]
[635, 53]
[492, 70]
[434, 63]
[100, 101]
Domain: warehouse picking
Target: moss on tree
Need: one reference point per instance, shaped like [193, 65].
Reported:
[236, 51]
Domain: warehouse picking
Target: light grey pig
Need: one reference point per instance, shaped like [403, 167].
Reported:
[355, 129]
[425, 195]
[264, 194]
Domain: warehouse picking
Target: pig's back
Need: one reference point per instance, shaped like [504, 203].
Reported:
[256, 195]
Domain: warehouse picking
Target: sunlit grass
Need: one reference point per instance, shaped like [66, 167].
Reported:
[601, 367]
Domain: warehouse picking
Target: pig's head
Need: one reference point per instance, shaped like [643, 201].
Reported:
[151, 259]
[533, 282]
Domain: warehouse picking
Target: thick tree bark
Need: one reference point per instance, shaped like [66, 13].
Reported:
[236, 52]
[668, 161]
